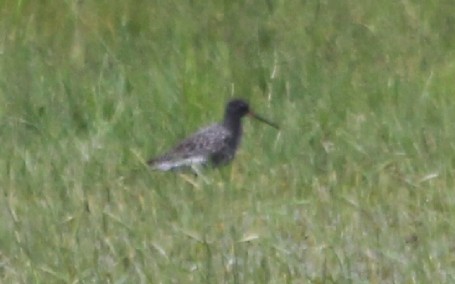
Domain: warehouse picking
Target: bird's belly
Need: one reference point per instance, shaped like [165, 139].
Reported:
[181, 163]
[221, 158]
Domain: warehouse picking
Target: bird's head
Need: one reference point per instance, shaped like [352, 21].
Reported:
[238, 108]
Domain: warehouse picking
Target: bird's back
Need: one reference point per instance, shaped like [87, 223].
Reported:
[212, 144]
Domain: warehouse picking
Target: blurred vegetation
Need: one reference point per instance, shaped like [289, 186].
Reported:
[356, 187]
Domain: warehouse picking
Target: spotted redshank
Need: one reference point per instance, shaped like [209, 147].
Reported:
[214, 145]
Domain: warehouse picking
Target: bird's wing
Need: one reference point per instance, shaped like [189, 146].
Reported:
[197, 147]
[206, 141]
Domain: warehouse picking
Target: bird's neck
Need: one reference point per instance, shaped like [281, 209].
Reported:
[233, 124]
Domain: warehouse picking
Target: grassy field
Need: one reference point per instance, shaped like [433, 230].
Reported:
[357, 187]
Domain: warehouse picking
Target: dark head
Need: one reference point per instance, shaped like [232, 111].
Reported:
[238, 108]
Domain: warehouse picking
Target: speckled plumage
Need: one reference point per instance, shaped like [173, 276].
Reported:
[214, 145]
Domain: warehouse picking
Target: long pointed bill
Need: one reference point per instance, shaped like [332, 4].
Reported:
[252, 114]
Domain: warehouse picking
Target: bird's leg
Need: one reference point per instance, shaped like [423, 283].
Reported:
[197, 171]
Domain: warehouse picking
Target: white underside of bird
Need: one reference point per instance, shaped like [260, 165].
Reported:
[182, 163]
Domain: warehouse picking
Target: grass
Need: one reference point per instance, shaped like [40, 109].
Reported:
[357, 187]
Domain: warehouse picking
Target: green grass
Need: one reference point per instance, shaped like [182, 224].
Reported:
[357, 187]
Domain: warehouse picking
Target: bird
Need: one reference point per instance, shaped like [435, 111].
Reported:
[214, 145]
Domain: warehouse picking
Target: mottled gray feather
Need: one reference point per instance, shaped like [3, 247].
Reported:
[208, 145]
